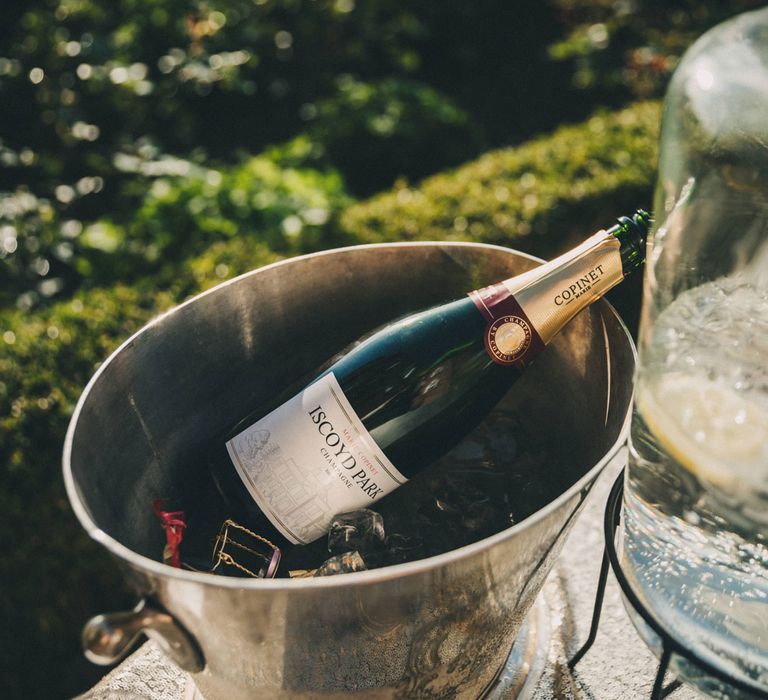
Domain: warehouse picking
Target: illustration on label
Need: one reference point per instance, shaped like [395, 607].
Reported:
[311, 459]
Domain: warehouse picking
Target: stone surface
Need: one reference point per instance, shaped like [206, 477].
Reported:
[619, 665]
[145, 675]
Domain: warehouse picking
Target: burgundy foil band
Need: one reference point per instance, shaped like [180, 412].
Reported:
[508, 325]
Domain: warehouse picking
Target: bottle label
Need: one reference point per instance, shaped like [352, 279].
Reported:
[510, 337]
[311, 459]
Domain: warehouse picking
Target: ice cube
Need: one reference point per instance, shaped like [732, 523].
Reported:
[456, 496]
[400, 548]
[479, 518]
[346, 563]
[361, 530]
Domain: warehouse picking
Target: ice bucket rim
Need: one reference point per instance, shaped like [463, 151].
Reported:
[373, 576]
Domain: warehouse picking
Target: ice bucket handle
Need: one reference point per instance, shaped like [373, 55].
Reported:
[108, 638]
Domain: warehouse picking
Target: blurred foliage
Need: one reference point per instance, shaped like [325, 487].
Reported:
[285, 208]
[181, 208]
[564, 185]
[623, 49]
[381, 89]
[109, 103]
[371, 131]
[537, 197]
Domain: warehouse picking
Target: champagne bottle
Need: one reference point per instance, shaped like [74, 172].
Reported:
[407, 393]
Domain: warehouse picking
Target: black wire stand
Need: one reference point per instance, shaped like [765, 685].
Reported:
[670, 645]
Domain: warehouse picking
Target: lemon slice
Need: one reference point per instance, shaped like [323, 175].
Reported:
[718, 434]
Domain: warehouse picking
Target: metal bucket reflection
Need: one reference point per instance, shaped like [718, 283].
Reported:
[439, 627]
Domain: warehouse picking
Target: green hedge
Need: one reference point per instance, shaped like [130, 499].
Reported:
[535, 197]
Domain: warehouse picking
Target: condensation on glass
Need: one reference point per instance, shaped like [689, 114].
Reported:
[696, 496]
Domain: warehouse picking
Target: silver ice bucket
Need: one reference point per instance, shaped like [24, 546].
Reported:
[440, 627]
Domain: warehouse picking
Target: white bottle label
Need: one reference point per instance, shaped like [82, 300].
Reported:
[311, 459]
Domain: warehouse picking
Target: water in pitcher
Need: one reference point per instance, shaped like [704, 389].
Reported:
[695, 538]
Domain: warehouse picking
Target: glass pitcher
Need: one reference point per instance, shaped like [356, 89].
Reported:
[694, 537]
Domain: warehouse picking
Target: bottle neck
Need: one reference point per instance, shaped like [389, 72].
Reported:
[631, 234]
[526, 311]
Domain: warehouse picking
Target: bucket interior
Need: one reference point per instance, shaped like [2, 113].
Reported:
[148, 418]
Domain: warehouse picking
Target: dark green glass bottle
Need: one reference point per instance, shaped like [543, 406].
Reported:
[406, 394]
